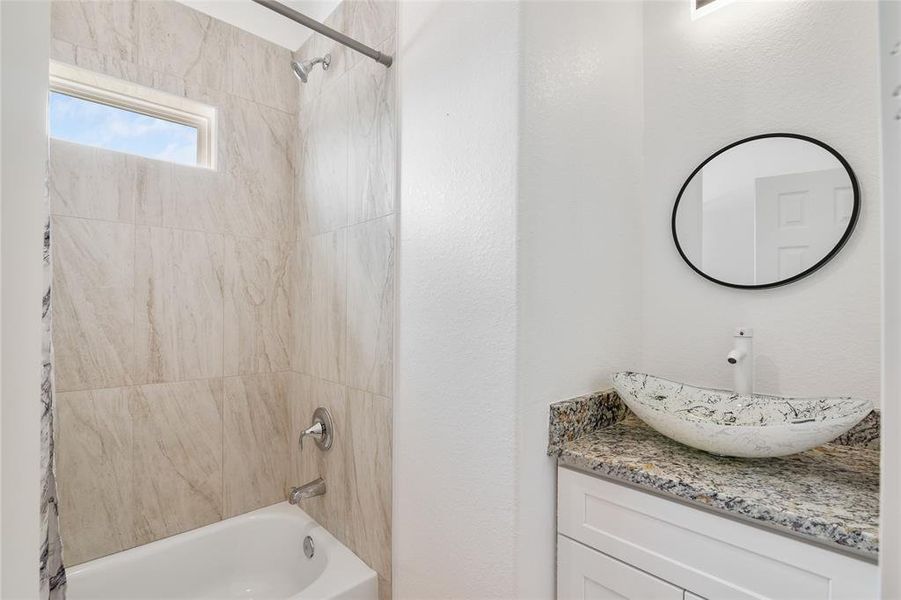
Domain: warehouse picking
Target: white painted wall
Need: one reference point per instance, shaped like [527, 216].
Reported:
[454, 437]
[24, 56]
[578, 225]
[505, 297]
[611, 120]
[747, 68]
[890, 526]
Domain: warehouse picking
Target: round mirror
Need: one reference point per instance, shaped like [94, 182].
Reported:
[766, 211]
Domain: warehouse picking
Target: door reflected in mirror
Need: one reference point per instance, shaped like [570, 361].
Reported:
[766, 211]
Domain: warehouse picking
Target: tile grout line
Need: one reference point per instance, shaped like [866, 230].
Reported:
[182, 229]
[224, 283]
[347, 207]
[393, 213]
[349, 387]
[176, 381]
[133, 367]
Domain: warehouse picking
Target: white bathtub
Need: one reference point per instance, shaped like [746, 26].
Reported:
[253, 556]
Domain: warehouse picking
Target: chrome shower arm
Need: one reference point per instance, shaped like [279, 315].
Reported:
[299, 17]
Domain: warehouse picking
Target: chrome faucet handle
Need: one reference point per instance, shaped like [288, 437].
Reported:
[321, 430]
[315, 431]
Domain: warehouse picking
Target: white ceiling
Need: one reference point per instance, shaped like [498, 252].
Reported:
[264, 23]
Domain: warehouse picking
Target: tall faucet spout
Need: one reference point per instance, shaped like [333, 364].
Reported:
[741, 357]
[735, 356]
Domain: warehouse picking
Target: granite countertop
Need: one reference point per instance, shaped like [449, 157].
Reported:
[828, 495]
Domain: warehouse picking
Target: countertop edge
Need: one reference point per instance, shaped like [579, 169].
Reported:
[817, 531]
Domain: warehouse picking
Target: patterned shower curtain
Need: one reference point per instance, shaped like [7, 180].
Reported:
[52, 571]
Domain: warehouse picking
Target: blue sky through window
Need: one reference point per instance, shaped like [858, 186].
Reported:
[93, 124]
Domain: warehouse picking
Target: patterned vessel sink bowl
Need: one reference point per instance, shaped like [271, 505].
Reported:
[743, 425]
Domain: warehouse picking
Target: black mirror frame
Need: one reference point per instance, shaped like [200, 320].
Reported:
[855, 213]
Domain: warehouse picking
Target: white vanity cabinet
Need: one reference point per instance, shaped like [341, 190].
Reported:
[619, 542]
[586, 574]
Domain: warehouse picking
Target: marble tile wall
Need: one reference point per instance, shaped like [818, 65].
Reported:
[201, 316]
[173, 305]
[345, 282]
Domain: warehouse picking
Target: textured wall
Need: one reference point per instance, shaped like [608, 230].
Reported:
[750, 67]
[173, 324]
[455, 437]
[344, 351]
[578, 268]
[516, 289]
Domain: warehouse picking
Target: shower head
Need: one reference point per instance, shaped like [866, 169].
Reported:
[302, 69]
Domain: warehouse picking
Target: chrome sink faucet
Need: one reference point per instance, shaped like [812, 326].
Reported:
[307, 490]
[742, 360]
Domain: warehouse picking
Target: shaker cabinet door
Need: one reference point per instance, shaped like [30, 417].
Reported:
[586, 574]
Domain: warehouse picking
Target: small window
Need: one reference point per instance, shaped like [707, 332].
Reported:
[87, 122]
[96, 110]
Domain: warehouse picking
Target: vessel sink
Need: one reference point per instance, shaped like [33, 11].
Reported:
[730, 424]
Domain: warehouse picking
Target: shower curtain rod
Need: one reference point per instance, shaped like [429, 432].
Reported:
[328, 32]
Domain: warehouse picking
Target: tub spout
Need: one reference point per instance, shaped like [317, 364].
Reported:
[307, 490]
